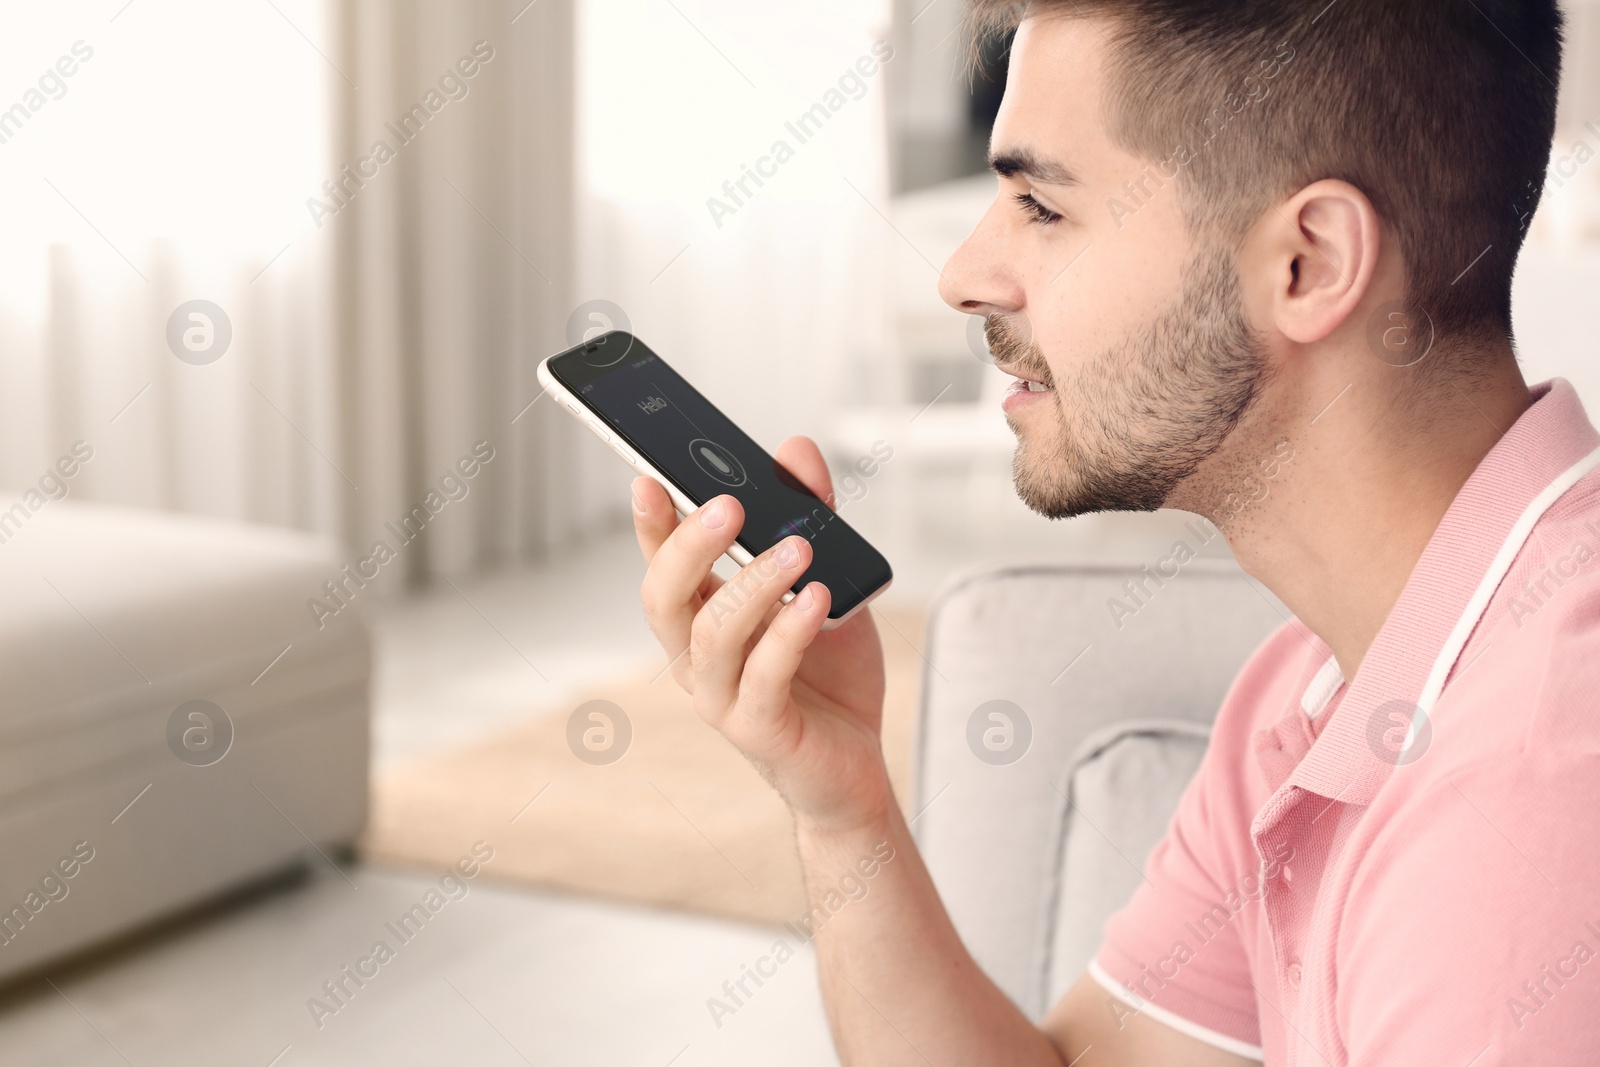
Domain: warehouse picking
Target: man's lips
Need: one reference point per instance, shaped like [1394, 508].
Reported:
[1038, 380]
[1030, 386]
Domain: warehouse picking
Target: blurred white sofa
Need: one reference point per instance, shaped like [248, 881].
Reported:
[1032, 856]
[117, 808]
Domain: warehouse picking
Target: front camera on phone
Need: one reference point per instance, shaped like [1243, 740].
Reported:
[608, 349]
[592, 324]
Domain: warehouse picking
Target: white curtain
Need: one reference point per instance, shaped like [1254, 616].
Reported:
[378, 331]
[778, 309]
[154, 155]
[452, 278]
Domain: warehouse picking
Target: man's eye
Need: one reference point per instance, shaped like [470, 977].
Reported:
[1036, 211]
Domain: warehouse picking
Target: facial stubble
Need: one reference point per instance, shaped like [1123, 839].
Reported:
[1125, 428]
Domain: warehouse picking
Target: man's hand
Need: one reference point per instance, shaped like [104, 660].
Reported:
[805, 706]
[802, 704]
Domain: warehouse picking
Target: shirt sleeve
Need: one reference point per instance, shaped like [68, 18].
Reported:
[1173, 951]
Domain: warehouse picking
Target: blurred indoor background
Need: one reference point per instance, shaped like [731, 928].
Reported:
[371, 317]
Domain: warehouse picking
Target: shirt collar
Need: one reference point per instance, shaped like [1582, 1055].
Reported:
[1347, 761]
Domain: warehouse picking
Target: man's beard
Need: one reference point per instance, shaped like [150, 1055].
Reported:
[1139, 417]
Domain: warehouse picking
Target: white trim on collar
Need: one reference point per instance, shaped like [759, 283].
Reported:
[1321, 688]
[1491, 581]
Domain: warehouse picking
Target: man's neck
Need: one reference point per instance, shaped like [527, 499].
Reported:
[1339, 533]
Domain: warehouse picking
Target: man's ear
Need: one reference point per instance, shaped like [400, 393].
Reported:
[1314, 257]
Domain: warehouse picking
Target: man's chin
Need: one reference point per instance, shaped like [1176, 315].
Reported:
[1054, 504]
[1068, 487]
[1044, 488]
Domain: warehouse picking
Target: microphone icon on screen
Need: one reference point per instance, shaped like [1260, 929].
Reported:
[717, 462]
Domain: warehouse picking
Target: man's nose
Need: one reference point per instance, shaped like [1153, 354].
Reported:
[977, 279]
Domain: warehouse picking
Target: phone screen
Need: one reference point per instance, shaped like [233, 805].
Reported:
[682, 434]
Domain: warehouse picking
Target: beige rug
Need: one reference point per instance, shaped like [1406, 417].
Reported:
[681, 821]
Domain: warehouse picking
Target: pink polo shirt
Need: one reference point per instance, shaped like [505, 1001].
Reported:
[1350, 880]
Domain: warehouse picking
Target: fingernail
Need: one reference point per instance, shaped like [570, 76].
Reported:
[714, 514]
[804, 601]
[638, 505]
[788, 551]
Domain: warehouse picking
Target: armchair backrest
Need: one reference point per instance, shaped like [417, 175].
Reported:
[1063, 710]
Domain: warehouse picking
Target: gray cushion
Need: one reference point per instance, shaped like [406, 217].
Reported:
[1124, 790]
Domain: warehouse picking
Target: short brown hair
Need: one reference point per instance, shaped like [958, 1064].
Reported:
[1441, 111]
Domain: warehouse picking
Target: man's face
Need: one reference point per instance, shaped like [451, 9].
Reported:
[1093, 288]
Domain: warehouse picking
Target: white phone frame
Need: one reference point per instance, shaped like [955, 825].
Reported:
[565, 398]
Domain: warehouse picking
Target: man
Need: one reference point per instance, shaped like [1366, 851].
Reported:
[1224, 229]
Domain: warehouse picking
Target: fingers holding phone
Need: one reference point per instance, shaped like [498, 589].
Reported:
[802, 458]
[722, 631]
[803, 703]
[678, 582]
[655, 518]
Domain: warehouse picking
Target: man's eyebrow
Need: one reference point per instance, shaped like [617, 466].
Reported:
[1021, 161]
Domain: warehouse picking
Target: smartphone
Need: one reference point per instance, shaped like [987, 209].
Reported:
[664, 429]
